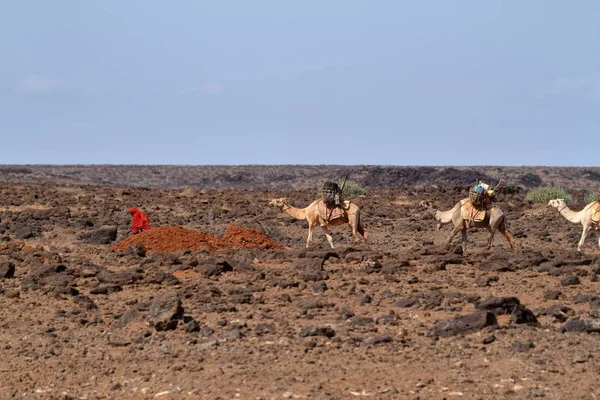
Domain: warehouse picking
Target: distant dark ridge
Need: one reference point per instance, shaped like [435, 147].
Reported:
[282, 177]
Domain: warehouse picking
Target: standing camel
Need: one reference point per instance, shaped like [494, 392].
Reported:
[350, 215]
[589, 217]
[494, 220]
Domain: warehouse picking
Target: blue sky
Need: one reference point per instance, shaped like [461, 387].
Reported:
[312, 82]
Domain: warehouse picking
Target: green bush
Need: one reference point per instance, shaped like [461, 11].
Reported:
[545, 194]
[591, 195]
[351, 188]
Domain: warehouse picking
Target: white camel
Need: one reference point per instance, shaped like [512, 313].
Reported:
[588, 217]
[351, 216]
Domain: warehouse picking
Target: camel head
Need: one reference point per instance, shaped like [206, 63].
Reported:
[280, 203]
[557, 203]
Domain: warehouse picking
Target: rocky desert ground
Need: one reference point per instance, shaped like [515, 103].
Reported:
[220, 300]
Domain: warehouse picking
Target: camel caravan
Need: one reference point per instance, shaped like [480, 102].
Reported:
[477, 211]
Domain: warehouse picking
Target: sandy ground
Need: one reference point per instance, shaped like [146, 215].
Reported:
[386, 319]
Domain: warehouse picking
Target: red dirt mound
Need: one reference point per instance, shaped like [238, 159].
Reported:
[173, 238]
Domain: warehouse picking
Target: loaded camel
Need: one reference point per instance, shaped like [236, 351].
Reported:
[494, 220]
[589, 217]
[350, 215]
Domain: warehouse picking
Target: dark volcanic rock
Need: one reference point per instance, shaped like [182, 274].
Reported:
[85, 302]
[137, 249]
[582, 325]
[484, 281]
[7, 269]
[165, 312]
[106, 288]
[522, 347]
[523, 315]
[499, 305]
[410, 302]
[23, 232]
[570, 280]
[372, 340]
[464, 324]
[214, 268]
[317, 330]
[103, 235]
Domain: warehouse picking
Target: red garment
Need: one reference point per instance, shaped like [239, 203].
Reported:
[139, 221]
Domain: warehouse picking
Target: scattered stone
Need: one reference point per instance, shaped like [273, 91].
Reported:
[106, 288]
[103, 235]
[552, 294]
[523, 315]
[192, 326]
[138, 249]
[317, 330]
[363, 298]
[165, 312]
[522, 347]
[7, 270]
[319, 287]
[85, 302]
[570, 280]
[371, 266]
[23, 232]
[584, 298]
[358, 320]
[389, 319]
[463, 324]
[288, 284]
[214, 268]
[313, 304]
[372, 340]
[405, 303]
[346, 313]
[484, 281]
[489, 339]
[264, 329]
[582, 325]
[392, 268]
[499, 305]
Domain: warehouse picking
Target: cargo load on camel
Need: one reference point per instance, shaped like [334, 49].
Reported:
[333, 205]
[481, 199]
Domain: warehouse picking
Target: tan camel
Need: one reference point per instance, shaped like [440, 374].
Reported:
[588, 217]
[351, 215]
[494, 220]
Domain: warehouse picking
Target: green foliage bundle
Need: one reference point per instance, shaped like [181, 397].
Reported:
[547, 193]
[591, 195]
[351, 188]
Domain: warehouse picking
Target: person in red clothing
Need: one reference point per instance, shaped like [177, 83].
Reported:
[139, 221]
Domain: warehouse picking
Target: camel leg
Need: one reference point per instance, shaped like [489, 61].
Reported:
[328, 235]
[586, 230]
[354, 233]
[310, 234]
[463, 235]
[452, 234]
[504, 230]
[490, 239]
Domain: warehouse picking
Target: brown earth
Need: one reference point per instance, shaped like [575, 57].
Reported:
[173, 238]
[399, 318]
